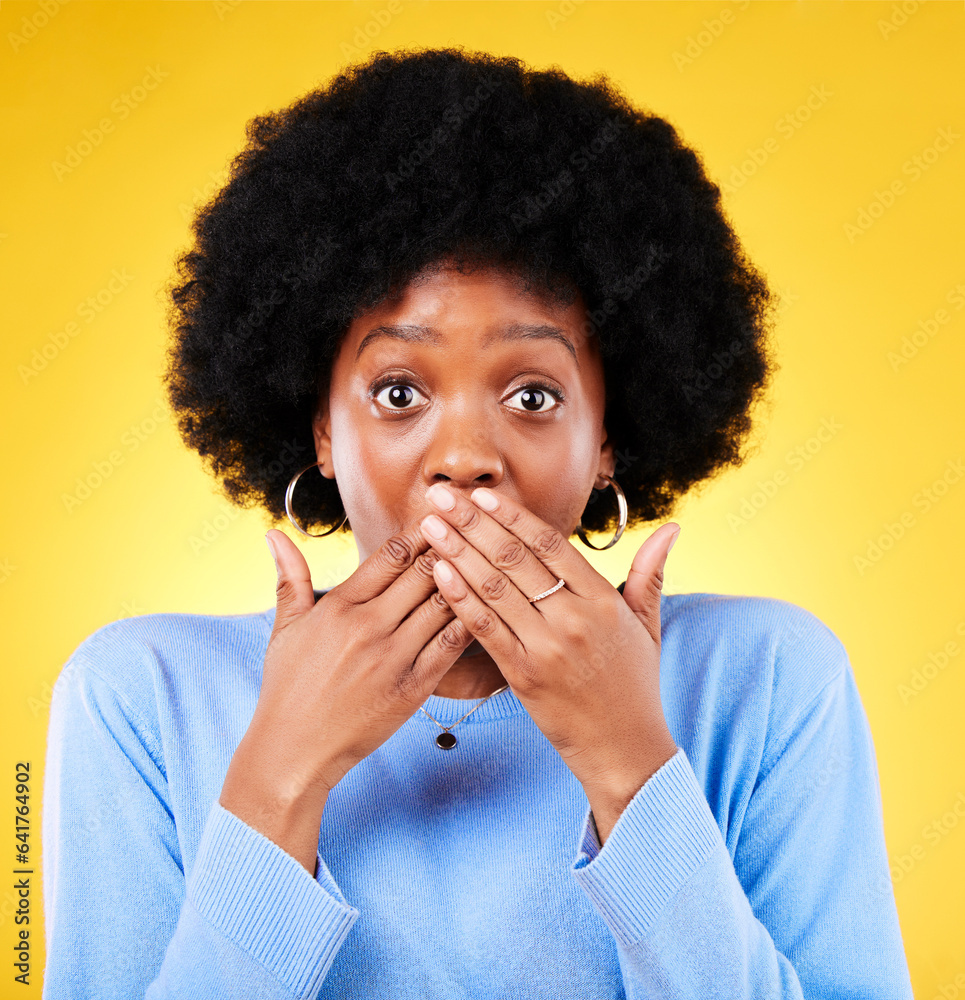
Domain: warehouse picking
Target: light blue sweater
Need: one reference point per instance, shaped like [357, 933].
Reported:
[751, 865]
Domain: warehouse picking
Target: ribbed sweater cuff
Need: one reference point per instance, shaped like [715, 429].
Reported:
[589, 841]
[662, 837]
[264, 901]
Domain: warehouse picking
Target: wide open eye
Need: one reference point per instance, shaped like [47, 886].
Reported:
[535, 396]
[398, 395]
[395, 395]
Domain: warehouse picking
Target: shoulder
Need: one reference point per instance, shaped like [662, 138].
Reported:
[168, 656]
[740, 676]
[751, 650]
[751, 622]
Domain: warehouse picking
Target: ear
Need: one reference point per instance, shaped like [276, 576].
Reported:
[607, 457]
[322, 432]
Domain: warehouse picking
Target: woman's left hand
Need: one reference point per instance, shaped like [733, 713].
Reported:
[584, 661]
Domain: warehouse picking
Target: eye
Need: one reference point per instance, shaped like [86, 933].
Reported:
[397, 395]
[535, 395]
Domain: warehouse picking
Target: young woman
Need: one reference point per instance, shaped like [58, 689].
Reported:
[467, 310]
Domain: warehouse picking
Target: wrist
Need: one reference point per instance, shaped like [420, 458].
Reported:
[630, 771]
[271, 785]
[609, 797]
[291, 766]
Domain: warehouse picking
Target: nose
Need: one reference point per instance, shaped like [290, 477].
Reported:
[464, 451]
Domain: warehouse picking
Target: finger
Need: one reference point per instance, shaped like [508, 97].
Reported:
[479, 617]
[293, 591]
[392, 558]
[490, 585]
[439, 654]
[409, 591]
[547, 543]
[644, 583]
[412, 607]
[499, 547]
[422, 613]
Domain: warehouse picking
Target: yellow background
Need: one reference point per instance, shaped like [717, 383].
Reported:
[884, 80]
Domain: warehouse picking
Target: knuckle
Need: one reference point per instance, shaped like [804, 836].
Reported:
[438, 602]
[453, 636]
[366, 636]
[457, 546]
[484, 623]
[335, 601]
[511, 555]
[554, 652]
[571, 632]
[526, 678]
[514, 519]
[549, 542]
[426, 561]
[397, 553]
[467, 518]
[495, 587]
[405, 681]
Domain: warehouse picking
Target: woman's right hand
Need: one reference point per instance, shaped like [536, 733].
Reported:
[343, 674]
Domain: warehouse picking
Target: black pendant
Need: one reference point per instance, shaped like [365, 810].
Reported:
[446, 740]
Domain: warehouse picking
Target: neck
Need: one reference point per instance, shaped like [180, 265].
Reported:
[473, 675]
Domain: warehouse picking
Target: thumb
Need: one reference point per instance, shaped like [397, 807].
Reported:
[294, 594]
[645, 579]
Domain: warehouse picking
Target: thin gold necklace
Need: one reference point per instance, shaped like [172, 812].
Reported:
[445, 739]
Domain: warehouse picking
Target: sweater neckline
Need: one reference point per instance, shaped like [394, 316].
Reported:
[447, 710]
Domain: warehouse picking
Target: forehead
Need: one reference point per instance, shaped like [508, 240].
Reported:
[482, 308]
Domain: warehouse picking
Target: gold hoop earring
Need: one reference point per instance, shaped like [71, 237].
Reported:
[624, 510]
[288, 506]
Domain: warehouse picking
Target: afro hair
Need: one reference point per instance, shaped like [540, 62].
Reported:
[427, 155]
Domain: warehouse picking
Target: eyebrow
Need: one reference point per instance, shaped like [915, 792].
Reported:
[414, 333]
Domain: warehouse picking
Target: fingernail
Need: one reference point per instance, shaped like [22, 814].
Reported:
[435, 527]
[485, 498]
[673, 540]
[445, 574]
[271, 548]
[441, 497]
